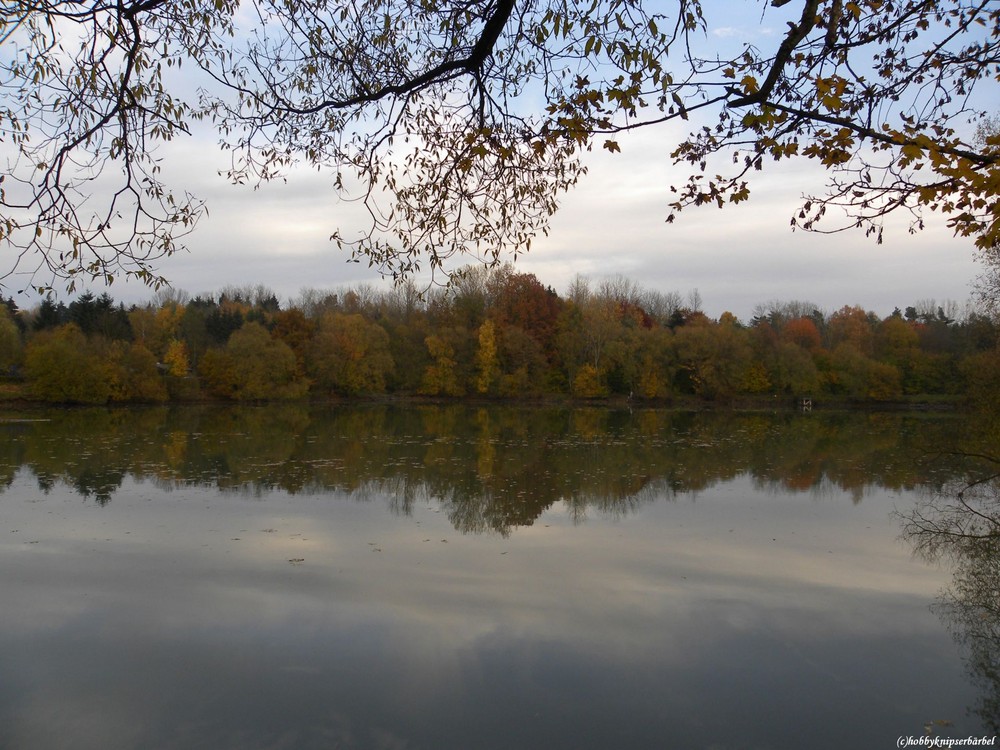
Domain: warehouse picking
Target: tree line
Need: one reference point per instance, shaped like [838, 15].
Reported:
[491, 333]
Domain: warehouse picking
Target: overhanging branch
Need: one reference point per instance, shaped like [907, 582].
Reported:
[448, 70]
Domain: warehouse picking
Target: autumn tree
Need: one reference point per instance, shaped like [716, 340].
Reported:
[778, 313]
[792, 370]
[783, 351]
[897, 343]
[982, 379]
[487, 361]
[622, 361]
[521, 300]
[592, 331]
[895, 339]
[852, 373]
[292, 327]
[588, 383]
[350, 355]
[142, 321]
[137, 376]
[166, 327]
[802, 332]
[60, 366]
[458, 125]
[656, 362]
[10, 343]
[252, 366]
[523, 365]
[441, 377]
[851, 325]
[193, 331]
[714, 361]
[175, 359]
[469, 295]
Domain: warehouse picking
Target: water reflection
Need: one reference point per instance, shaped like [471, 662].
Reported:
[294, 577]
[495, 469]
[960, 523]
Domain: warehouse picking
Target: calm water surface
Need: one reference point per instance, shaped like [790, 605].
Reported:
[445, 577]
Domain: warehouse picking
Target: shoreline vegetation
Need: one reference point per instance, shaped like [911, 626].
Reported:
[494, 335]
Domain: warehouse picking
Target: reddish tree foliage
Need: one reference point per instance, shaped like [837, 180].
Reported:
[521, 300]
[803, 332]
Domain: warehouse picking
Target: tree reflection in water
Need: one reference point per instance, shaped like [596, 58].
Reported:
[960, 524]
[492, 468]
[736, 584]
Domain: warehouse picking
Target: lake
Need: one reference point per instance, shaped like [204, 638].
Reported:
[445, 577]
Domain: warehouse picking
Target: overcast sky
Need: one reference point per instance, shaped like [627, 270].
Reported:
[612, 223]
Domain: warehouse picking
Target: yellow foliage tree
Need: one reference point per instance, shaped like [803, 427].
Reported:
[441, 376]
[588, 383]
[652, 384]
[487, 361]
[176, 359]
[755, 379]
